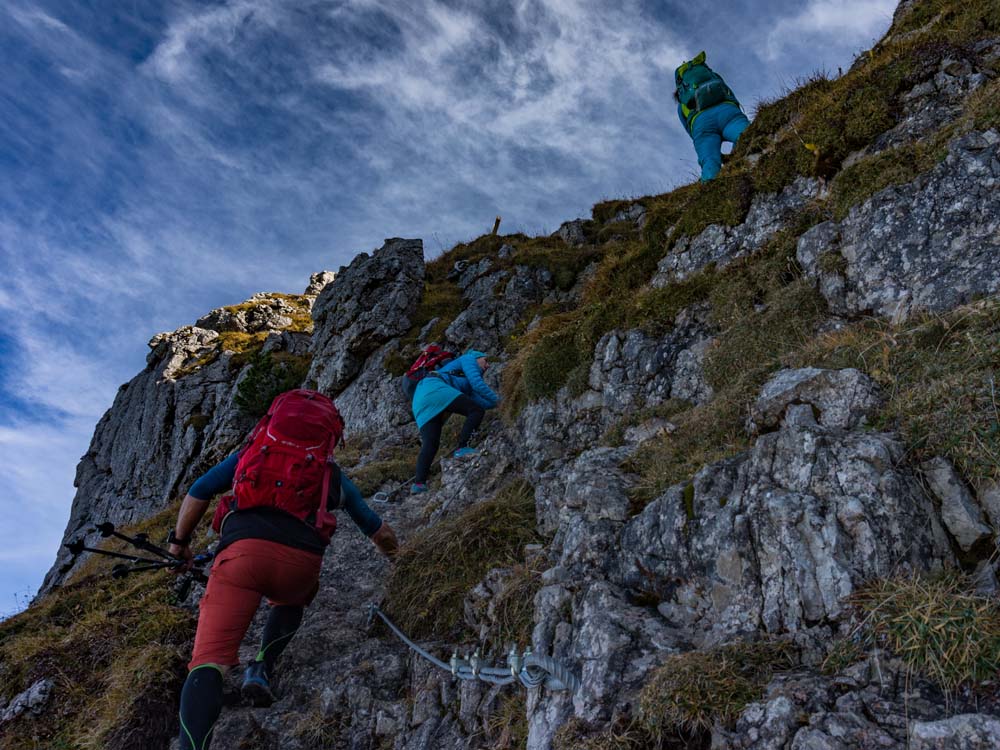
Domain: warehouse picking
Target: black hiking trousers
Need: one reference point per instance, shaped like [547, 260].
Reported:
[430, 433]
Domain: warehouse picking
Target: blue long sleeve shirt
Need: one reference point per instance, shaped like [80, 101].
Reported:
[460, 376]
[273, 524]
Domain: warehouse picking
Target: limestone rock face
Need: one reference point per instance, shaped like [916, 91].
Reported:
[959, 512]
[370, 302]
[871, 705]
[262, 312]
[739, 536]
[497, 302]
[720, 244]
[630, 370]
[929, 245]
[963, 732]
[167, 425]
[33, 701]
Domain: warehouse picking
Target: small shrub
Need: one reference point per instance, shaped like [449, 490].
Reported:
[693, 690]
[438, 565]
[937, 626]
[270, 374]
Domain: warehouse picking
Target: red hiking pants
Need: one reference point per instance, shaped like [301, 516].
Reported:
[245, 571]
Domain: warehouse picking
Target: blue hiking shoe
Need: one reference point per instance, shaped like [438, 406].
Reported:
[417, 488]
[465, 452]
[256, 688]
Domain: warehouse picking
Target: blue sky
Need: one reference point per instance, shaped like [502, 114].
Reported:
[161, 159]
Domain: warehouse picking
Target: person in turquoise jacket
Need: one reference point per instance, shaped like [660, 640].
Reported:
[709, 112]
[456, 388]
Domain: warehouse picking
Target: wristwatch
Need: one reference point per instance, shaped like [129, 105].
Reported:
[172, 539]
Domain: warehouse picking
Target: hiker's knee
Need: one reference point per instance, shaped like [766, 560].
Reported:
[223, 669]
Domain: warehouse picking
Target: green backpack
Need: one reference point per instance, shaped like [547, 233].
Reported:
[699, 87]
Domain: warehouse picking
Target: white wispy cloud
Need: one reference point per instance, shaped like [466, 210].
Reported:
[856, 22]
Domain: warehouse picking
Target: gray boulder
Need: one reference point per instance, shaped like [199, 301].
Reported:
[841, 398]
[369, 303]
[572, 232]
[964, 732]
[775, 538]
[32, 701]
[318, 282]
[959, 512]
[930, 245]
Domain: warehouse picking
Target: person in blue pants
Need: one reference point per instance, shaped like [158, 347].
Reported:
[709, 112]
[456, 388]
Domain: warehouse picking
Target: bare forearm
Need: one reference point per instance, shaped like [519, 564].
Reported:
[192, 509]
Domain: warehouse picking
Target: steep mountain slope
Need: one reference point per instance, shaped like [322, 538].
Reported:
[745, 480]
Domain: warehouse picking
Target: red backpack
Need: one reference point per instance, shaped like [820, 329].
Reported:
[428, 361]
[287, 462]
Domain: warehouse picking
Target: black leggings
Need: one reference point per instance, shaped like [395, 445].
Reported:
[201, 697]
[430, 433]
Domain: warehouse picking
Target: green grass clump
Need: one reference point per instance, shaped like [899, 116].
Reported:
[939, 375]
[937, 626]
[116, 650]
[436, 568]
[397, 469]
[694, 690]
[897, 166]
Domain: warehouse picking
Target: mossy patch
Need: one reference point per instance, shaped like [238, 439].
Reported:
[438, 565]
[694, 690]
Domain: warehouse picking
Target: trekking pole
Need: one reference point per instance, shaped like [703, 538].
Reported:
[121, 570]
[107, 529]
[78, 547]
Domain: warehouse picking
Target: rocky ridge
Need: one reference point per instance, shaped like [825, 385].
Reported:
[821, 496]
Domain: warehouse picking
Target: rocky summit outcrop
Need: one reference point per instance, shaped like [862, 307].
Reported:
[740, 411]
[370, 302]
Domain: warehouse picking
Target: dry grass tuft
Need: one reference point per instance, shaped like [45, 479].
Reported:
[693, 690]
[939, 373]
[438, 565]
[116, 650]
[937, 626]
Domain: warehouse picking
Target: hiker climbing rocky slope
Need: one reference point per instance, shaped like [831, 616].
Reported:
[744, 482]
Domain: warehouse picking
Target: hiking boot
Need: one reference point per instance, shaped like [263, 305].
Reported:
[417, 488]
[256, 685]
[465, 452]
